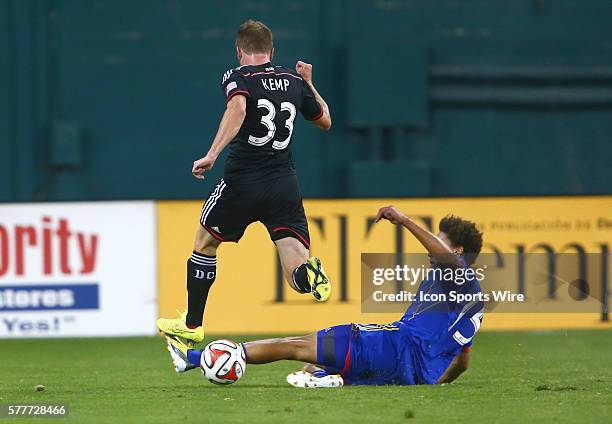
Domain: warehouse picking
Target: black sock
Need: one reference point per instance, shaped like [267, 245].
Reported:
[201, 273]
[300, 279]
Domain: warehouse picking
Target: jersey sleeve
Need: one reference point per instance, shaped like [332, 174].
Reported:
[311, 109]
[463, 333]
[234, 83]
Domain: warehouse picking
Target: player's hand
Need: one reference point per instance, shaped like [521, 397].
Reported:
[203, 165]
[305, 70]
[391, 214]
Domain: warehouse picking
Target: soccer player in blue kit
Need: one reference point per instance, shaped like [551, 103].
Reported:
[430, 344]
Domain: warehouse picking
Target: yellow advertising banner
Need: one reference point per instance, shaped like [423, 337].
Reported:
[249, 295]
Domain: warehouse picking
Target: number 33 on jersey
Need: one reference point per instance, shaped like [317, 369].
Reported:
[274, 95]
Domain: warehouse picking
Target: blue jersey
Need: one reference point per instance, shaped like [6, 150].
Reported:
[419, 347]
[436, 330]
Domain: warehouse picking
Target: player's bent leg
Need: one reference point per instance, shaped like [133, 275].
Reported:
[201, 273]
[303, 273]
[292, 254]
[329, 348]
[333, 357]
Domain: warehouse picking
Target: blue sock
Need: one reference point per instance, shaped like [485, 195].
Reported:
[320, 373]
[246, 355]
[194, 355]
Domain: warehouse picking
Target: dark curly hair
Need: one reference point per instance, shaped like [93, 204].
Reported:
[462, 232]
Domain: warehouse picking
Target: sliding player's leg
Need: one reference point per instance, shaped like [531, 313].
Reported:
[327, 348]
[300, 348]
[309, 349]
[201, 273]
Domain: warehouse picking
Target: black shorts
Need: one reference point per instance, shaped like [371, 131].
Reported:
[231, 208]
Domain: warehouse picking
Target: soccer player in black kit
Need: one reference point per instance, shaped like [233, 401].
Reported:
[259, 182]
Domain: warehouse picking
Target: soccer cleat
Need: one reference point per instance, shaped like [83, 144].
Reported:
[305, 380]
[319, 283]
[177, 327]
[178, 354]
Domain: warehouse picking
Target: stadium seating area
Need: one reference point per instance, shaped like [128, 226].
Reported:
[446, 98]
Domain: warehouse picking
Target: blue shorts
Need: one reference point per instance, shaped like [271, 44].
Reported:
[365, 354]
[334, 347]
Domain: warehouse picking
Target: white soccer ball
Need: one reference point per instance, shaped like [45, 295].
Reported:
[223, 362]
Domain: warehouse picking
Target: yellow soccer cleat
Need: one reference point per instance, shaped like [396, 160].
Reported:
[177, 327]
[319, 283]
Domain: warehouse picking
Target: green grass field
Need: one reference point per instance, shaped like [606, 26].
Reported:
[514, 377]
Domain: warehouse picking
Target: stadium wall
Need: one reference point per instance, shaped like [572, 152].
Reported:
[79, 269]
[250, 296]
[451, 98]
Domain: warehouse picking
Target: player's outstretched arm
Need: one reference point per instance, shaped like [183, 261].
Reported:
[434, 244]
[231, 122]
[456, 368]
[305, 70]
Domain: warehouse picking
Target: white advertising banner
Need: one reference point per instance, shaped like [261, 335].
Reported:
[78, 269]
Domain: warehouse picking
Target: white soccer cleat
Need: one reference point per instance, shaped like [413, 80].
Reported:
[305, 380]
[178, 354]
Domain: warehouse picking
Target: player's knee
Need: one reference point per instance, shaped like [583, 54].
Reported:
[205, 243]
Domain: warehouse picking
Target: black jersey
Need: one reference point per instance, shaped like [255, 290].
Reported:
[262, 148]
